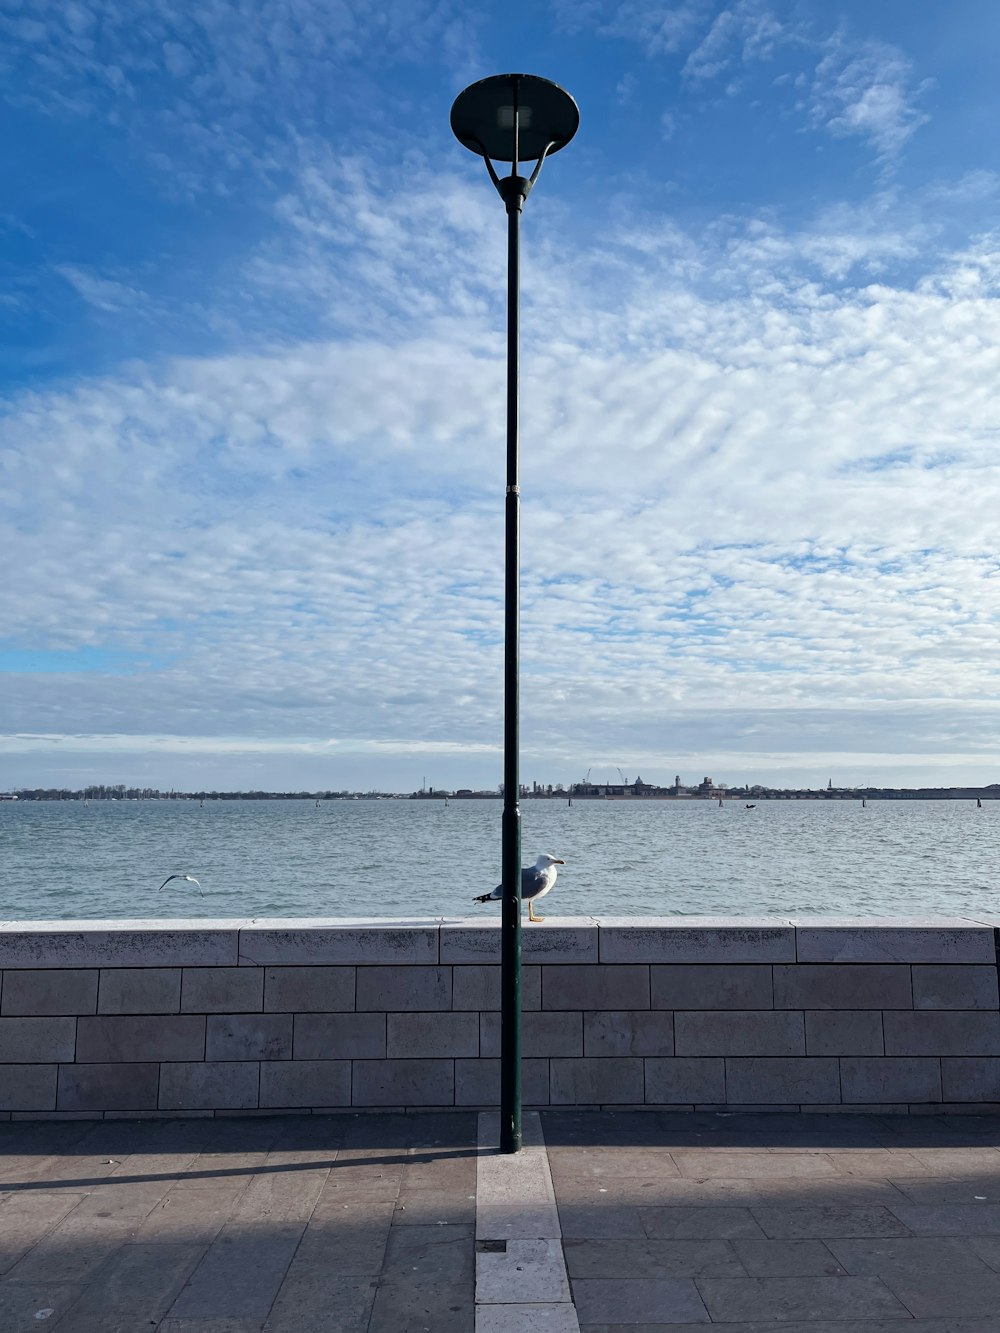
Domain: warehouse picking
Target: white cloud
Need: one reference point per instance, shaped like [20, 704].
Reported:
[869, 92]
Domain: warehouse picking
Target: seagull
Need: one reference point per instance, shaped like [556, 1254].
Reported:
[190, 878]
[536, 882]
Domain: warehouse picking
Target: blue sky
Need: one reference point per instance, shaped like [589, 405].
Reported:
[251, 451]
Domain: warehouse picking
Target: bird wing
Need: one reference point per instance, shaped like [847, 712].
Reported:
[533, 881]
[166, 882]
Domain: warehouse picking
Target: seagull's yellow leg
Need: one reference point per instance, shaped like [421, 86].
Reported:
[531, 912]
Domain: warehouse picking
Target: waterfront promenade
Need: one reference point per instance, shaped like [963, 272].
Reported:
[409, 1223]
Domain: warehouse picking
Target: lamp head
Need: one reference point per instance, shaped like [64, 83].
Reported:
[483, 117]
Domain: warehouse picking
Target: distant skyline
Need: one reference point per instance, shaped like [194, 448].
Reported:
[251, 446]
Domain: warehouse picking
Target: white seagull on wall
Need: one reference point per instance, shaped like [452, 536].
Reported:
[536, 882]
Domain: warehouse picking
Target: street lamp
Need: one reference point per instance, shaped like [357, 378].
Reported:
[513, 118]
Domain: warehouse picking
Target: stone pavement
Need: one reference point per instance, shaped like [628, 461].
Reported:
[670, 1223]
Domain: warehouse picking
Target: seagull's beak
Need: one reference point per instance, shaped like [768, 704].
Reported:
[558, 863]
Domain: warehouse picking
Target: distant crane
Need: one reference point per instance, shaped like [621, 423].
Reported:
[623, 777]
[586, 780]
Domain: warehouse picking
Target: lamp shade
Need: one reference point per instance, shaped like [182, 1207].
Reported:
[482, 117]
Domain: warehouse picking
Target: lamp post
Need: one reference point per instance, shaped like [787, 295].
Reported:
[512, 118]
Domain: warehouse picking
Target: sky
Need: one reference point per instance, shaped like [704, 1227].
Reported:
[252, 294]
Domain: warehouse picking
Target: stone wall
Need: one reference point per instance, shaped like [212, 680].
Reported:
[121, 1018]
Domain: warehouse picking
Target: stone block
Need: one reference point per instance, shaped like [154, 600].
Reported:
[37, 1040]
[208, 1085]
[33, 944]
[844, 1032]
[542, 1034]
[292, 941]
[611, 1032]
[423, 1036]
[685, 1081]
[710, 986]
[306, 1083]
[973, 1079]
[478, 987]
[108, 1087]
[889, 1080]
[138, 1038]
[842, 986]
[28, 1087]
[741, 1032]
[589, 1081]
[944, 986]
[249, 1037]
[339, 1037]
[50, 991]
[403, 1083]
[139, 990]
[477, 1082]
[942, 1032]
[587, 986]
[573, 941]
[222, 990]
[403, 989]
[868, 940]
[790, 1081]
[309, 990]
[695, 940]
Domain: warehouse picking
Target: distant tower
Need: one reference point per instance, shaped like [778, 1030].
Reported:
[677, 781]
[829, 785]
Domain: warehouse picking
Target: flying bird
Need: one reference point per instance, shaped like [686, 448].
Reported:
[536, 882]
[190, 878]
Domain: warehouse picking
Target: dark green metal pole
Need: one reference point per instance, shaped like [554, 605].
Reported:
[513, 195]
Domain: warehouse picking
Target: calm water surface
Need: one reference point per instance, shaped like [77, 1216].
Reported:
[422, 858]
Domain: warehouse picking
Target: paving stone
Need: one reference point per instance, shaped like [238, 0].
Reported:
[28, 1087]
[579, 1220]
[107, 1039]
[687, 1079]
[765, 1079]
[36, 1040]
[210, 1084]
[190, 1215]
[134, 1290]
[432, 1035]
[695, 1223]
[527, 1318]
[842, 986]
[100, 1087]
[24, 1305]
[422, 1305]
[888, 1079]
[403, 989]
[612, 1032]
[403, 1082]
[739, 1033]
[478, 987]
[733, 1164]
[615, 1162]
[844, 1032]
[590, 1080]
[221, 990]
[783, 1298]
[248, 1037]
[223, 1325]
[633, 1258]
[939, 986]
[313, 990]
[241, 1273]
[940, 1293]
[704, 940]
[826, 1221]
[949, 1219]
[788, 1258]
[942, 1033]
[25, 1218]
[893, 1256]
[50, 991]
[640, 1301]
[316, 1301]
[889, 1325]
[305, 1083]
[595, 987]
[542, 1034]
[524, 1271]
[346, 1236]
[74, 1251]
[710, 986]
[435, 1208]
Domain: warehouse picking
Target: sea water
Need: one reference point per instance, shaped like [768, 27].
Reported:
[409, 858]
